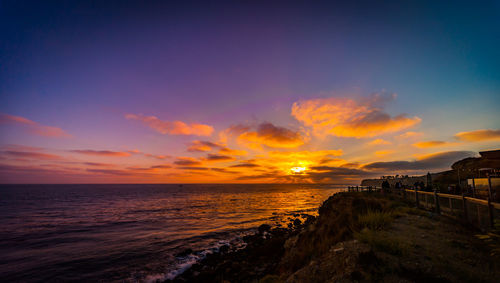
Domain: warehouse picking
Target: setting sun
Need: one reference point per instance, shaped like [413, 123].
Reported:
[298, 170]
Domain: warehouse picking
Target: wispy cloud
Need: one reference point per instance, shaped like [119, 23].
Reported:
[380, 153]
[479, 135]
[102, 152]
[379, 142]
[427, 144]
[411, 135]
[31, 155]
[172, 127]
[187, 161]
[345, 117]
[202, 146]
[96, 164]
[34, 127]
[218, 158]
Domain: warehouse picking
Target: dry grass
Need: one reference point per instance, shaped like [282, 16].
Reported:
[376, 220]
[380, 242]
[338, 221]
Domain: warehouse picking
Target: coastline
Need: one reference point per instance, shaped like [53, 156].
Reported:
[356, 237]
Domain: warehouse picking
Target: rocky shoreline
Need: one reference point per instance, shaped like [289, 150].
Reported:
[356, 237]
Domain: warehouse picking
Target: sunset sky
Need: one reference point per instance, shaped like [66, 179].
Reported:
[244, 92]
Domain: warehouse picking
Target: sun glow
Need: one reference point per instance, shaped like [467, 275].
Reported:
[298, 170]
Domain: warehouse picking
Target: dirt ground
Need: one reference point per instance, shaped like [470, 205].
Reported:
[418, 246]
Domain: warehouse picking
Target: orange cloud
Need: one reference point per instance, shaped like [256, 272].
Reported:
[102, 152]
[218, 158]
[187, 161]
[479, 135]
[172, 128]
[34, 127]
[202, 146]
[31, 155]
[229, 151]
[272, 136]
[379, 142]
[410, 135]
[381, 153]
[344, 117]
[427, 144]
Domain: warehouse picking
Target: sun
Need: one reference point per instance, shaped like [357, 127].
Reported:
[298, 170]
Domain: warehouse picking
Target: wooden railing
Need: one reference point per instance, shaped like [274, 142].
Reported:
[478, 212]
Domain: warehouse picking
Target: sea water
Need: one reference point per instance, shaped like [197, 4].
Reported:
[135, 232]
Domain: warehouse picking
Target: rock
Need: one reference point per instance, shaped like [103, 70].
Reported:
[263, 228]
[338, 250]
[297, 222]
[224, 249]
[184, 253]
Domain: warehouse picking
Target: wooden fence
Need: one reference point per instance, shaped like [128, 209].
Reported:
[478, 212]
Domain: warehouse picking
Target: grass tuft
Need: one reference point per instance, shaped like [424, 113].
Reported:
[376, 220]
[380, 242]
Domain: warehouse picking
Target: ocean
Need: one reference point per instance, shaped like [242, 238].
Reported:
[135, 232]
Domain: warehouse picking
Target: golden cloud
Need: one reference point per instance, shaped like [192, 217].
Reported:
[172, 128]
[427, 144]
[380, 153]
[229, 151]
[479, 135]
[202, 146]
[271, 136]
[379, 142]
[410, 135]
[187, 161]
[344, 117]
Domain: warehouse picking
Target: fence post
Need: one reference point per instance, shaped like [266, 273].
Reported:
[490, 213]
[416, 197]
[489, 185]
[473, 187]
[465, 208]
[436, 202]
[404, 194]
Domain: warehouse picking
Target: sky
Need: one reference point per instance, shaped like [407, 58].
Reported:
[244, 91]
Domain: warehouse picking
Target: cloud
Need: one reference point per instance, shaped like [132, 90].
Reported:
[193, 168]
[218, 158]
[102, 152]
[172, 128]
[31, 155]
[305, 154]
[202, 146]
[427, 144]
[163, 166]
[411, 135]
[379, 142]
[345, 117]
[98, 164]
[110, 172]
[272, 136]
[244, 165]
[34, 127]
[381, 153]
[229, 151]
[479, 135]
[187, 161]
[440, 160]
